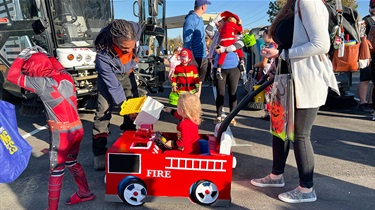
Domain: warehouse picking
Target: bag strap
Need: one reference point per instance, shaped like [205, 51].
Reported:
[299, 11]
[286, 53]
[339, 13]
[278, 68]
[279, 60]
[370, 21]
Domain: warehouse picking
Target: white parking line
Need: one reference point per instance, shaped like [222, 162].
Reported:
[241, 145]
[27, 135]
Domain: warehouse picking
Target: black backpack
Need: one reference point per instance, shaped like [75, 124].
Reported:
[349, 22]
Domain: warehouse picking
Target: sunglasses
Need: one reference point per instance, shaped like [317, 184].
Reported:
[372, 7]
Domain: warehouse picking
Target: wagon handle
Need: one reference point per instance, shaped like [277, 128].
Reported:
[244, 102]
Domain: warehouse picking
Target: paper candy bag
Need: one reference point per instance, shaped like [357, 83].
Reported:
[150, 112]
[148, 109]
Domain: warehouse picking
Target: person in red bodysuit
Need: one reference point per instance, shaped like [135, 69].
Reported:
[231, 28]
[47, 78]
[185, 77]
[188, 113]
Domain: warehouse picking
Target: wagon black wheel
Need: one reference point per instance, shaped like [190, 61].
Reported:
[133, 191]
[204, 192]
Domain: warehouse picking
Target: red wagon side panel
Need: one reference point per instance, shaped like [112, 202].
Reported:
[165, 175]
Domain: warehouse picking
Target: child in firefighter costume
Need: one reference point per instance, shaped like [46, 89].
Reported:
[47, 78]
[185, 77]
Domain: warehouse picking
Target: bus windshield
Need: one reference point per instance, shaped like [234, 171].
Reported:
[77, 23]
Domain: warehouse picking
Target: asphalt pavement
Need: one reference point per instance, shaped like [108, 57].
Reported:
[343, 141]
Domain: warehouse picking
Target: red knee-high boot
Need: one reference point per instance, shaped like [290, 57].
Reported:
[54, 188]
[80, 177]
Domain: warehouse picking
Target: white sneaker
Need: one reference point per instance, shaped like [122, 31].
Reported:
[244, 77]
[268, 182]
[373, 116]
[296, 196]
[242, 67]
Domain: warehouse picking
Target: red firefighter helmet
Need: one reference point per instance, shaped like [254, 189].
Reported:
[227, 14]
[186, 56]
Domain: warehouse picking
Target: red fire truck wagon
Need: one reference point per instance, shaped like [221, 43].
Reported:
[139, 171]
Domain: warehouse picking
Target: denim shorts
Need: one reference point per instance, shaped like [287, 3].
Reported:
[365, 74]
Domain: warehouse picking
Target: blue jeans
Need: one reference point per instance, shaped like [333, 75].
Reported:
[303, 150]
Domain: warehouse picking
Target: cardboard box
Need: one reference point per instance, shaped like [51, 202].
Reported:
[150, 112]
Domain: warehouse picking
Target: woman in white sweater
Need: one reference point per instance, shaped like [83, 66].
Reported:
[313, 75]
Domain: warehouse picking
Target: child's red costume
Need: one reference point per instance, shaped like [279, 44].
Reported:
[55, 87]
[187, 136]
[228, 35]
[185, 77]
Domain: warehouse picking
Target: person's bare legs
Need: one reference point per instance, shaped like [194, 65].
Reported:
[371, 87]
[362, 91]
[365, 76]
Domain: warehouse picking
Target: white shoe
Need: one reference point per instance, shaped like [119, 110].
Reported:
[244, 77]
[242, 67]
[296, 196]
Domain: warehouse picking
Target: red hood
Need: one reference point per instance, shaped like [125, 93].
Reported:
[39, 65]
[227, 14]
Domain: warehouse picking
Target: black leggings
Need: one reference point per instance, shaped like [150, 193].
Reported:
[230, 78]
[303, 150]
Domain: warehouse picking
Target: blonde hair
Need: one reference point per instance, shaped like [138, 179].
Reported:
[232, 19]
[191, 106]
